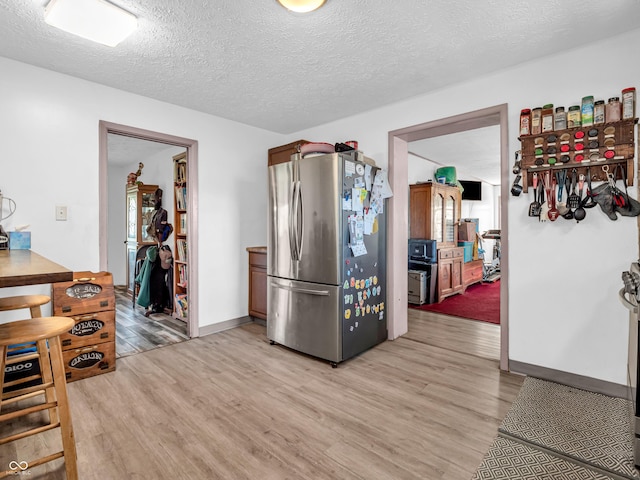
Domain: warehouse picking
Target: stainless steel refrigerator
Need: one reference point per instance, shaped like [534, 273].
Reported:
[326, 296]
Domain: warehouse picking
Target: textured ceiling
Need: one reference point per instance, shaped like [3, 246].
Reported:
[254, 62]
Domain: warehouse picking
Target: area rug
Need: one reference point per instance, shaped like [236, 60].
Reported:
[479, 302]
[589, 428]
[511, 460]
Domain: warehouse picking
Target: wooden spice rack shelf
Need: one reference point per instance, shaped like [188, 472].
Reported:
[615, 137]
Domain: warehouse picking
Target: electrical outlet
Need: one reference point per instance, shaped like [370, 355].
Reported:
[61, 212]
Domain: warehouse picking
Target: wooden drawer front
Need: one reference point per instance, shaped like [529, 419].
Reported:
[258, 259]
[454, 252]
[90, 329]
[472, 272]
[445, 253]
[89, 361]
[87, 293]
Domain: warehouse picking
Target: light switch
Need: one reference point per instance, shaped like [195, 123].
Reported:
[61, 212]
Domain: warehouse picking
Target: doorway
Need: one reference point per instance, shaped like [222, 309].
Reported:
[191, 147]
[399, 210]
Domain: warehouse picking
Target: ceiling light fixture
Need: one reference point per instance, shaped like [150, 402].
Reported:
[301, 6]
[95, 20]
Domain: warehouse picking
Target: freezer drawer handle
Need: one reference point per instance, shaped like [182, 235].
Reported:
[323, 293]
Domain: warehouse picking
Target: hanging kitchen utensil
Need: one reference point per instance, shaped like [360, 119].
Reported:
[580, 212]
[516, 188]
[517, 166]
[569, 214]
[553, 213]
[534, 207]
[544, 205]
[573, 201]
[561, 178]
[589, 199]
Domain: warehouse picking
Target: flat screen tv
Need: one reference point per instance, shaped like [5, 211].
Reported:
[472, 190]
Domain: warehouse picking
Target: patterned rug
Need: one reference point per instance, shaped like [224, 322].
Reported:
[510, 460]
[584, 427]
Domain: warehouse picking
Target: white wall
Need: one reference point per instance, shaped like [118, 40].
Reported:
[49, 156]
[564, 277]
[158, 170]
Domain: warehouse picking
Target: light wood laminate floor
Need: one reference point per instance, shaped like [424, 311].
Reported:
[231, 406]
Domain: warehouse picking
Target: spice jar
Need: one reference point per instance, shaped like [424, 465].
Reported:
[573, 116]
[525, 121]
[561, 119]
[587, 111]
[536, 117]
[628, 103]
[614, 110]
[598, 112]
[547, 118]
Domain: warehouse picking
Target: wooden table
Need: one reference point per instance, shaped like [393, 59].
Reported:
[24, 267]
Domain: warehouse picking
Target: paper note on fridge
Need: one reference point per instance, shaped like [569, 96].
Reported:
[356, 229]
[369, 219]
[381, 184]
[356, 199]
[349, 168]
[358, 250]
[346, 201]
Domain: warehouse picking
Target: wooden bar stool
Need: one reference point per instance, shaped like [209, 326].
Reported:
[43, 331]
[32, 302]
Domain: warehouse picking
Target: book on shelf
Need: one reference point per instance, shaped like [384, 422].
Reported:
[181, 249]
[182, 225]
[180, 171]
[181, 304]
[182, 276]
[181, 198]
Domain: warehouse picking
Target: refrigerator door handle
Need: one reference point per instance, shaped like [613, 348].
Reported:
[292, 222]
[299, 222]
[322, 293]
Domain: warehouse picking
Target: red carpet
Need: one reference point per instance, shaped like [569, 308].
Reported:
[480, 302]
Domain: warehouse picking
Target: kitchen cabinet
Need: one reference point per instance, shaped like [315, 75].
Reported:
[283, 153]
[140, 202]
[434, 213]
[258, 282]
[450, 261]
[180, 258]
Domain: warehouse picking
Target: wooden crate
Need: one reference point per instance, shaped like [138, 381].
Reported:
[88, 361]
[90, 329]
[88, 293]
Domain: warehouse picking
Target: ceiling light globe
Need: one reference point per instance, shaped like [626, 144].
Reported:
[301, 6]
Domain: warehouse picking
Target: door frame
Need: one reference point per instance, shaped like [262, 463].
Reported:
[398, 227]
[104, 129]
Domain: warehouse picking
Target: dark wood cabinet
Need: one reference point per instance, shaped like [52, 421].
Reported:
[283, 153]
[258, 282]
[434, 213]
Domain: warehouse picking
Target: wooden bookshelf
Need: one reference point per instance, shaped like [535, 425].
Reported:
[180, 252]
